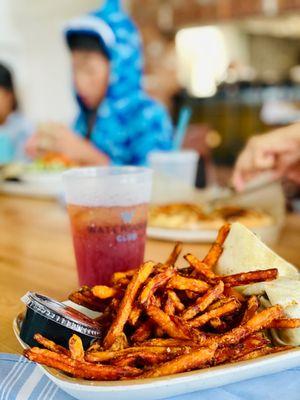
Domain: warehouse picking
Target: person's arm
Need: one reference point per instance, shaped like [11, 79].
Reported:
[62, 140]
[277, 151]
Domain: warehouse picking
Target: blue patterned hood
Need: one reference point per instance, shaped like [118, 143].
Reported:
[129, 123]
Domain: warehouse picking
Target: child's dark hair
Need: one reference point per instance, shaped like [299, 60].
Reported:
[7, 83]
[86, 42]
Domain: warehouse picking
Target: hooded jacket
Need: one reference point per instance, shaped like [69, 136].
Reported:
[129, 124]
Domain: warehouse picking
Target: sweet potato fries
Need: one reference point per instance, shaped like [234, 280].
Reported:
[160, 320]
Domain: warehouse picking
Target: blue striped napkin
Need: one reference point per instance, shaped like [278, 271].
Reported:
[23, 380]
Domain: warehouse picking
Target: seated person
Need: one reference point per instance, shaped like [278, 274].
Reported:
[14, 129]
[118, 123]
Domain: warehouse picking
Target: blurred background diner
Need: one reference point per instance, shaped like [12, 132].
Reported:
[223, 71]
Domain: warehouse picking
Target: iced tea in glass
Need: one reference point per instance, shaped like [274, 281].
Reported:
[108, 212]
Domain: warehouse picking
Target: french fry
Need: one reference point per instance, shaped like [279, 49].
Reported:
[182, 283]
[50, 345]
[222, 234]
[134, 315]
[203, 302]
[118, 276]
[169, 307]
[107, 355]
[217, 324]
[141, 359]
[173, 257]
[164, 322]
[169, 343]
[246, 278]
[96, 346]
[84, 297]
[76, 348]
[231, 292]
[125, 308]
[225, 309]
[260, 321]
[154, 283]
[200, 267]
[77, 368]
[120, 342]
[285, 323]
[104, 292]
[263, 352]
[143, 332]
[213, 255]
[231, 353]
[252, 307]
[187, 362]
[179, 306]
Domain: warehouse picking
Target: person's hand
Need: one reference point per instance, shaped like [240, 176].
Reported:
[277, 152]
[59, 139]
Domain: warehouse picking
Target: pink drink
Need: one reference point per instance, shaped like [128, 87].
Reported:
[108, 213]
[106, 240]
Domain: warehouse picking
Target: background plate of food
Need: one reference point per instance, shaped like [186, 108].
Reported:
[41, 178]
[168, 331]
[184, 214]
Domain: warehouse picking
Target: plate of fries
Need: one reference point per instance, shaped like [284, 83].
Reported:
[168, 331]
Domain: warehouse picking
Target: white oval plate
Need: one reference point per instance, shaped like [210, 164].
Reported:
[168, 386]
[268, 234]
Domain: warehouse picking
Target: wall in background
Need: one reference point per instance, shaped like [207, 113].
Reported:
[31, 42]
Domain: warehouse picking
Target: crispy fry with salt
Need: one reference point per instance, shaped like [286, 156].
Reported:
[107, 355]
[260, 321]
[143, 332]
[179, 306]
[134, 315]
[141, 359]
[221, 311]
[246, 278]
[120, 343]
[169, 307]
[203, 302]
[187, 362]
[200, 267]
[77, 368]
[84, 297]
[285, 323]
[263, 352]
[164, 322]
[140, 276]
[182, 283]
[50, 345]
[76, 348]
[104, 292]
[162, 342]
[96, 346]
[230, 353]
[173, 257]
[154, 283]
[252, 307]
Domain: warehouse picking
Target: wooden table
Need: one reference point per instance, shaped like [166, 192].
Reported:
[36, 254]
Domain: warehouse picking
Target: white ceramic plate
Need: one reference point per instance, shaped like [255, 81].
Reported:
[35, 184]
[268, 234]
[175, 385]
